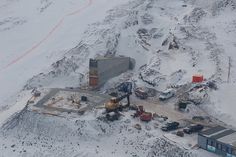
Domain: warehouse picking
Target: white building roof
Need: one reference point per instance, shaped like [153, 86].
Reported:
[229, 139]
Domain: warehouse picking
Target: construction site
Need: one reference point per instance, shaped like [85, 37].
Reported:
[118, 78]
[174, 113]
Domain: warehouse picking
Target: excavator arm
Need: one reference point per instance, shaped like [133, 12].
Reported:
[126, 90]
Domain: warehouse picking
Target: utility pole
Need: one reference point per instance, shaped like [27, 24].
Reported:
[229, 70]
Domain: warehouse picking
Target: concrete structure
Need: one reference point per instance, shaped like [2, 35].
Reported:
[60, 100]
[219, 140]
[102, 69]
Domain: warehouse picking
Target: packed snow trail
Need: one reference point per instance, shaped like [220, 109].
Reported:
[54, 29]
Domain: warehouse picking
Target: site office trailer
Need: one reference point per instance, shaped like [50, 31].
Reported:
[215, 146]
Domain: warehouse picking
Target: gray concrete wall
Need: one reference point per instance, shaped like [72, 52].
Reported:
[106, 68]
[111, 67]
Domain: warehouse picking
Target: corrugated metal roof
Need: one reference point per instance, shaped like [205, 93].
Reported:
[223, 134]
[213, 130]
[229, 139]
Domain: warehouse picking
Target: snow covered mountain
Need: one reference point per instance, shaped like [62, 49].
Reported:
[170, 40]
[35, 34]
[48, 43]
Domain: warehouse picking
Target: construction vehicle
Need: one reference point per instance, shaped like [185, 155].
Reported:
[144, 116]
[125, 90]
[141, 93]
[139, 111]
[114, 104]
[112, 116]
[125, 87]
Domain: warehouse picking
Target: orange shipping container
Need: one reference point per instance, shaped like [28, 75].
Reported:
[197, 78]
[93, 81]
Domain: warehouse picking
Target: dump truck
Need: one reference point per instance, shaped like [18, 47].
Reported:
[144, 116]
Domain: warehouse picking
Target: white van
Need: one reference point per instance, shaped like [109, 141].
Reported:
[168, 93]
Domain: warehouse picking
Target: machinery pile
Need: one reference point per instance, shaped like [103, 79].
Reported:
[114, 106]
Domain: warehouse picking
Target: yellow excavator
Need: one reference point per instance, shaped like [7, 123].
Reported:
[114, 104]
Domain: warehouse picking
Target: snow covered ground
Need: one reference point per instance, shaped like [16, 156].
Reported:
[34, 34]
[47, 43]
[34, 134]
[223, 104]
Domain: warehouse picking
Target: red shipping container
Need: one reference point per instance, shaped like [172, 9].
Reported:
[197, 78]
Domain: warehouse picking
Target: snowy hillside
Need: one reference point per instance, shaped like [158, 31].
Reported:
[170, 40]
[34, 34]
[48, 43]
[33, 134]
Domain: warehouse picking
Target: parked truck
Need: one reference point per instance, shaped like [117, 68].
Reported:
[170, 126]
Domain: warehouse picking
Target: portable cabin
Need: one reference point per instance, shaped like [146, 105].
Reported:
[219, 140]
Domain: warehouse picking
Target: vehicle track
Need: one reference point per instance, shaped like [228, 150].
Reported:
[53, 30]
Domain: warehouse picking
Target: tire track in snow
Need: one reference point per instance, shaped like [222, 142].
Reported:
[56, 27]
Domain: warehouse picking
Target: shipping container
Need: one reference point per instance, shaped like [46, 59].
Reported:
[197, 78]
[93, 81]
